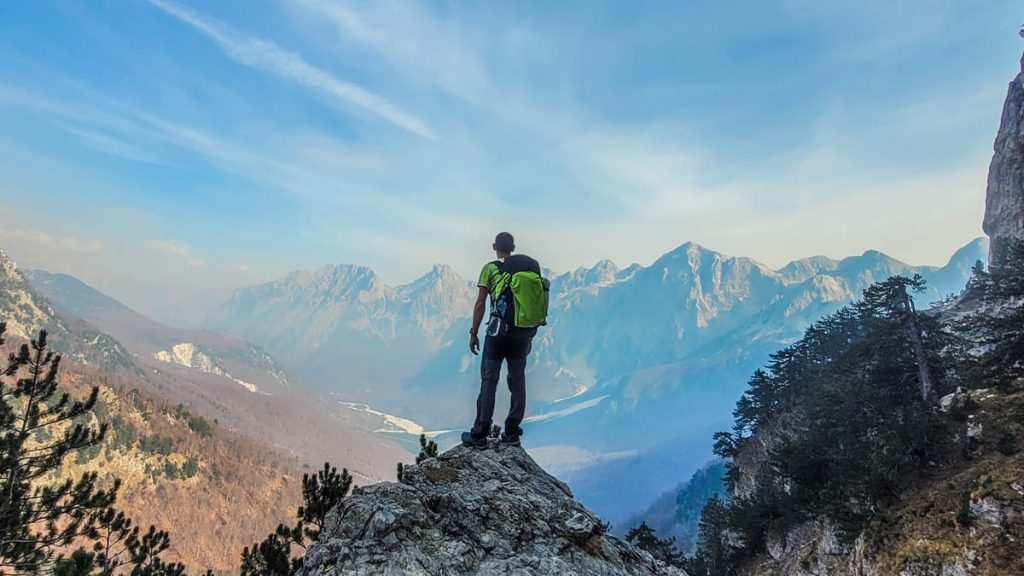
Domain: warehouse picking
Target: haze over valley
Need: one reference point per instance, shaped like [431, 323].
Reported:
[253, 234]
[636, 370]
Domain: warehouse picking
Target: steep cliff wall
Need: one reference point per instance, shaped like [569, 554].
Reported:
[1004, 202]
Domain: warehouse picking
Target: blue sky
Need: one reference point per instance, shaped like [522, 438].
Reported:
[150, 145]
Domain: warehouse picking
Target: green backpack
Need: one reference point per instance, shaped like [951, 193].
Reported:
[520, 295]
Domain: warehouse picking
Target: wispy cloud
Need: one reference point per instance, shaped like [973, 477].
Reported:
[125, 131]
[266, 55]
[114, 146]
[572, 129]
[416, 43]
[50, 241]
[177, 249]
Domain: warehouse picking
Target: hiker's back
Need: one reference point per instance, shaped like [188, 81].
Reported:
[519, 298]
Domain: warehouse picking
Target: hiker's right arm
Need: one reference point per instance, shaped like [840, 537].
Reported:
[478, 317]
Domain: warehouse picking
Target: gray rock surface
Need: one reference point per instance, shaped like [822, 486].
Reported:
[469, 511]
[1004, 202]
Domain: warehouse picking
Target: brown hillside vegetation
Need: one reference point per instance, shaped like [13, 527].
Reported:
[213, 490]
[970, 505]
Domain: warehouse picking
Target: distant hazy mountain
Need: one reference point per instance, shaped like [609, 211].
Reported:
[224, 378]
[635, 370]
[205, 351]
[190, 418]
[26, 314]
[344, 329]
[663, 389]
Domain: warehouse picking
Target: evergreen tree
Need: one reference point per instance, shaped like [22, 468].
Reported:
[643, 537]
[41, 427]
[272, 556]
[891, 299]
[37, 518]
[320, 494]
[428, 449]
[115, 539]
[998, 327]
[712, 544]
[80, 563]
[146, 552]
[847, 415]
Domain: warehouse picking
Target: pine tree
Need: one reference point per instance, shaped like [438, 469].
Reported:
[712, 545]
[115, 539]
[998, 327]
[428, 449]
[146, 552]
[848, 409]
[80, 563]
[320, 494]
[272, 556]
[37, 518]
[643, 537]
[892, 299]
[41, 427]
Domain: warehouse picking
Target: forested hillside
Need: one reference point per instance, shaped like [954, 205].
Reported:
[215, 464]
[214, 491]
[886, 439]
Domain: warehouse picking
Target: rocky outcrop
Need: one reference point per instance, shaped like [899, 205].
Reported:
[471, 511]
[1004, 203]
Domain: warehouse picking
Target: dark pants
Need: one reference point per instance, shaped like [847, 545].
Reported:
[513, 351]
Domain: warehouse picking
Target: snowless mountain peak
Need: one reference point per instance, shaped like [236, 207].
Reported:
[689, 248]
[606, 265]
[690, 253]
[603, 269]
[975, 250]
[878, 257]
[442, 278]
[443, 273]
[804, 268]
[870, 261]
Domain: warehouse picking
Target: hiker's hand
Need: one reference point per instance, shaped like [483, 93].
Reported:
[474, 344]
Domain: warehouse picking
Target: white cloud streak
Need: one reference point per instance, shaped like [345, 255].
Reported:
[50, 241]
[177, 249]
[266, 55]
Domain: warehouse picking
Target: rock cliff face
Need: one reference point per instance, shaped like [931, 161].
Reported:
[471, 511]
[1004, 204]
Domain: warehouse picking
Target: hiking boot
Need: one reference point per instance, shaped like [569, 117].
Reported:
[473, 442]
[509, 440]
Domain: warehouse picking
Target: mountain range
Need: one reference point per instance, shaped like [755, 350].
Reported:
[634, 372]
[194, 417]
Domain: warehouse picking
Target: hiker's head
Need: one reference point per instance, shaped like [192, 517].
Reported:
[504, 244]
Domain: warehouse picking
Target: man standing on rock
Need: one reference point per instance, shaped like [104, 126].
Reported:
[519, 302]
